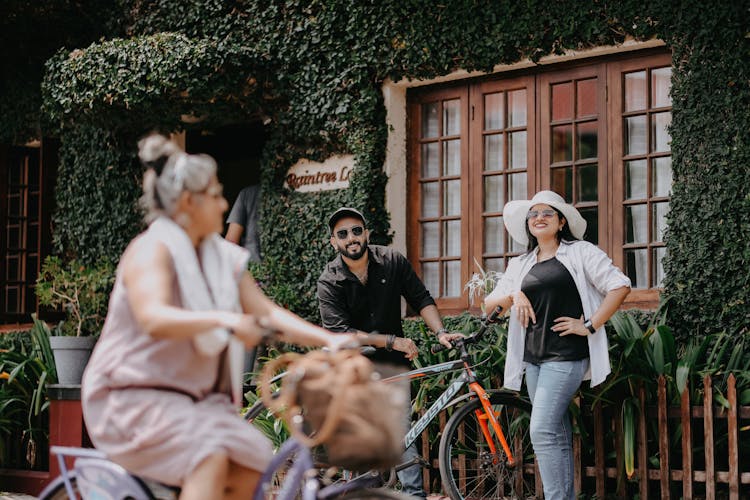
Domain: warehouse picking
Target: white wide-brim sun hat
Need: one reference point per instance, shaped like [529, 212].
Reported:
[514, 215]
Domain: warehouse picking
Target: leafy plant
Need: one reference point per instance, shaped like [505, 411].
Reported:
[24, 415]
[82, 292]
[481, 284]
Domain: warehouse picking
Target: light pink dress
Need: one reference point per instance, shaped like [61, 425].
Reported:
[159, 407]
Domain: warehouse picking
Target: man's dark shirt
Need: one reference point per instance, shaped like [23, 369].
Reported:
[347, 305]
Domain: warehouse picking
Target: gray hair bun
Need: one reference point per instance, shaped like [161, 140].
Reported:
[169, 172]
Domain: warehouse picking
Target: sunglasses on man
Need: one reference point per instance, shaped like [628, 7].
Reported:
[342, 234]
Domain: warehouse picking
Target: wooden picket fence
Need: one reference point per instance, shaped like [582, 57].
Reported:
[605, 477]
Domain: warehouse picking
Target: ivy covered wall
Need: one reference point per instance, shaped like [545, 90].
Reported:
[314, 68]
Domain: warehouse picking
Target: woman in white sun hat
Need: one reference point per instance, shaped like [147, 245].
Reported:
[560, 293]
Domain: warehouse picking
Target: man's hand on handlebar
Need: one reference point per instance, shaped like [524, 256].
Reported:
[447, 338]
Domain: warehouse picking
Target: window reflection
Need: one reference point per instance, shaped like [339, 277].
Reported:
[452, 117]
[430, 120]
[452, 278]
[493, 111]
[493, 152]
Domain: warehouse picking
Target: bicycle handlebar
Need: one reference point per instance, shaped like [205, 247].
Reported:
[471, 339]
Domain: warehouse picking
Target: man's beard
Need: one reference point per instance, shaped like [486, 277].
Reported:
[355, 255]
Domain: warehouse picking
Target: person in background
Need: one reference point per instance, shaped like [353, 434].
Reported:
[361, 290]
[561, 292]
[161, 390]
[243, 221]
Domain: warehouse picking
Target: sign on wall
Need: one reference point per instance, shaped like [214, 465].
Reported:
[307, 176]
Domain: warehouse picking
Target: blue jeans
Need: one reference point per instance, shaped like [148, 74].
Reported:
[411, 477]
[551, 386]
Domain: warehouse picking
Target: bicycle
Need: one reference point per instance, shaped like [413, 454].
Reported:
[485, 441]
[94, 476]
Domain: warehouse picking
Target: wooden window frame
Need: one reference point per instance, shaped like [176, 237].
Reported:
[610, 171]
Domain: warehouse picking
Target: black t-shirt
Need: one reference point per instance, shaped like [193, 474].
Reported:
[552, 292]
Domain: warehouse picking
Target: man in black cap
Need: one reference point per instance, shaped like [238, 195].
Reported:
[361, 290]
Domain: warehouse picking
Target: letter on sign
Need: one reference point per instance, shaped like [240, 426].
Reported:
[307, 176]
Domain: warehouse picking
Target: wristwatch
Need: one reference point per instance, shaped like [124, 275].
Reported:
[589, 326]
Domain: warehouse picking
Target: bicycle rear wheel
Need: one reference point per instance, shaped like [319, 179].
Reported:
[469, 468]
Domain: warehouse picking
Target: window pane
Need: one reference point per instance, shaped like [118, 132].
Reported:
[591, 215]
[662, 172]
[493, 193]
[659, 219]
[431, 278]
[15, 205]
[517, 149]
[659, 253]
[586, 183]
[430, 240]
[516, 247]
[635, 91]
[636, 267]
[562, 143]
[517, 186]
[430, 120]
[636, 224]
[14, 175]
[660, 137]
[14, 236]
[452, 238]
[493, 152]
[452, 157]
[497, 265]
[494, 233]
[430, 200]
[493, 111]
[452, 278]
[635, 135]
[517, 108]
[660, 86]
[430, 160]
[33, 180]
[32, 239]
[586, 98]
[587, 140]
[635, 180]
[12, 268]
[562, 101]
[12, 300]
[452, 197]
[33, 207]
[452, 117]
[562, 182]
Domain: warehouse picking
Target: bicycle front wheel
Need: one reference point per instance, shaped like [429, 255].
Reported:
[376, 494]
[56, 490]
[473, 463]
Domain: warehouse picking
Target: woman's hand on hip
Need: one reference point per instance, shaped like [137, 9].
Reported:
[565, 325]
[524, 311]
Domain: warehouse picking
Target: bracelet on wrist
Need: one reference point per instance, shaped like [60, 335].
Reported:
[389, 341]
[441, 332]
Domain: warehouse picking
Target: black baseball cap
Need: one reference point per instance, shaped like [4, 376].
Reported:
[345, 212]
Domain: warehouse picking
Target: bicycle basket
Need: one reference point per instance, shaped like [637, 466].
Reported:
[359, 420]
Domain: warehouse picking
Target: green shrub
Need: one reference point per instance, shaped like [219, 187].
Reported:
[82, 292]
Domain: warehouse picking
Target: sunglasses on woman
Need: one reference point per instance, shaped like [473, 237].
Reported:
[544, 214]
[342, 234]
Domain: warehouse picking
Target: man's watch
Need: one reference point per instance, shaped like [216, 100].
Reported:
[440, 332]
[589, 326]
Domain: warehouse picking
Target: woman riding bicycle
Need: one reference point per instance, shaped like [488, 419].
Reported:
[160, 391]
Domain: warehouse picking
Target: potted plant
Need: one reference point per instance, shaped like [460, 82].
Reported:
[82, 293]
